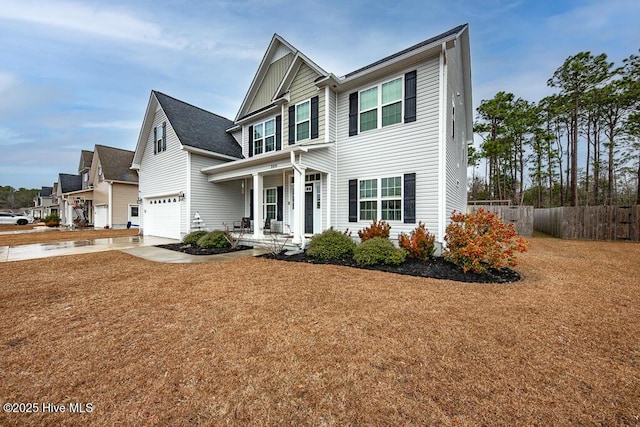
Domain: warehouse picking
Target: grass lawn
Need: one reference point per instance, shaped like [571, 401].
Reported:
[264, 342]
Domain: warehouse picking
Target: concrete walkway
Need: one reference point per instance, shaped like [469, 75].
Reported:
[133, 245]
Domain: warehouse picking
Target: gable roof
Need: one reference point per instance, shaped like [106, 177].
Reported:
[86, 157]
[199, 128]
[116, 164]
[46, 191]
[68, 182]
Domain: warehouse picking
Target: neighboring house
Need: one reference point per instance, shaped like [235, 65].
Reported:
[42, 203]
[68, 187]
[114, 186]
[387, 142]
[55, 199]
[176, 141]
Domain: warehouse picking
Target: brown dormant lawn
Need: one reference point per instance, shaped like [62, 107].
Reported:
[266, 343]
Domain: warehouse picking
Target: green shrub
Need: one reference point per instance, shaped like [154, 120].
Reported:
[378, 250]
[331, 245]
[376, 229]
[480, 239]
[193, 237]
[420, 244]
[214, 239]
[52, 220]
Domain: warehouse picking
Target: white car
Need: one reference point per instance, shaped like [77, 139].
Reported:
[14, 219]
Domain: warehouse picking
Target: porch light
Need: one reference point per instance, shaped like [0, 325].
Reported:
[242, 187]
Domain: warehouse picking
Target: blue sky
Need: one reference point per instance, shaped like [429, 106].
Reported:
[75, 73]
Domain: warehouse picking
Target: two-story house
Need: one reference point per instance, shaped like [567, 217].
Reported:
[387, 141]
[42, 203]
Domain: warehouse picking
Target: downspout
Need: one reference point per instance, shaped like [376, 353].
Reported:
[110, 205]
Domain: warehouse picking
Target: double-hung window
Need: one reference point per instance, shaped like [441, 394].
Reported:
[381, 105]
[270, 203]
[303, 120]
[380, 198]
[369, 199]
[264, 137]
[391, 197]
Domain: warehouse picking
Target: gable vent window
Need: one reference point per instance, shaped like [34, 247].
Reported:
[160, 138]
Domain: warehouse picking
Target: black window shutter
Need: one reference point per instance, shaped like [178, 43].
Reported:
[155, 140]
[409, 198]
[410, 90]
[292, 125]
[251, 141]
[251, 204]
[164, 136]
[278, 132]
[314, 117]
[353, 200]
[280, 203]
[353, 114]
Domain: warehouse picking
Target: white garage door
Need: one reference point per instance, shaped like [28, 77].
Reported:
[100, 217]
[162, 217]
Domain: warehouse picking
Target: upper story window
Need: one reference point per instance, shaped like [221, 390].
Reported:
[100, 176]
[303, 120]
[381, 104]
[384, 104]
[264, 137]
[160, 138]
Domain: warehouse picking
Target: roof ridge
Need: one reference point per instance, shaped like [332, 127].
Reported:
[190, 105]
[426, 42]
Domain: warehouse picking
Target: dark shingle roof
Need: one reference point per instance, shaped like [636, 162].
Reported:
[69, 183]
[409, 49]
[86, 157]
[116, 164]
[46, 191]
[199, 128]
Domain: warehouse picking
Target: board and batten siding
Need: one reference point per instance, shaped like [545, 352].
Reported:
[217, 203]
[270, 82]
[301, 89]
[165, 172]
[456, 138]
[393, 151]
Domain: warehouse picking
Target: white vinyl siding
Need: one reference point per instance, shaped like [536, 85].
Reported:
[165, 174]
[217, 203]
[396, 150]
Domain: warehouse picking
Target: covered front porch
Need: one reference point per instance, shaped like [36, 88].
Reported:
[284, 200]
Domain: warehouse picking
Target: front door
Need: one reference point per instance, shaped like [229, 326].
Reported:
[308, 209]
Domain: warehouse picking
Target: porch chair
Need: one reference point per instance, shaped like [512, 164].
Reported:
[244, 224]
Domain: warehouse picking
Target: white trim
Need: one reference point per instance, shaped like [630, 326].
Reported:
[258, 219]
[110, 206]
[379, 106]
[442, 143]
[328, 203]
[156, 195]
[187, 197]
[326, 114]
[296, 122]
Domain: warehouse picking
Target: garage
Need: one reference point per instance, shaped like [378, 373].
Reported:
[100, 216]
[162, 217]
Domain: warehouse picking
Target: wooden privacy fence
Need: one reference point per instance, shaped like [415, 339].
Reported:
[520, 216]
[590, 222]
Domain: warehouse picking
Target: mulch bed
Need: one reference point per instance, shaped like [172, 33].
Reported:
[197, 250]
[435, 268]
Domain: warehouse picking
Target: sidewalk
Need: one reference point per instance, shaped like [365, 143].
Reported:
[133, 245]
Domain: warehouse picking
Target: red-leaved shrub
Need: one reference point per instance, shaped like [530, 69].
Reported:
[479, 240]
[419, 244]
[376, 229]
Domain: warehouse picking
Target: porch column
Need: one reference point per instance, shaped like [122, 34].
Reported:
[298, 207]
[258, 220]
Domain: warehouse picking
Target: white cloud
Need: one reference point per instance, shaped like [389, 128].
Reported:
[96, 21]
